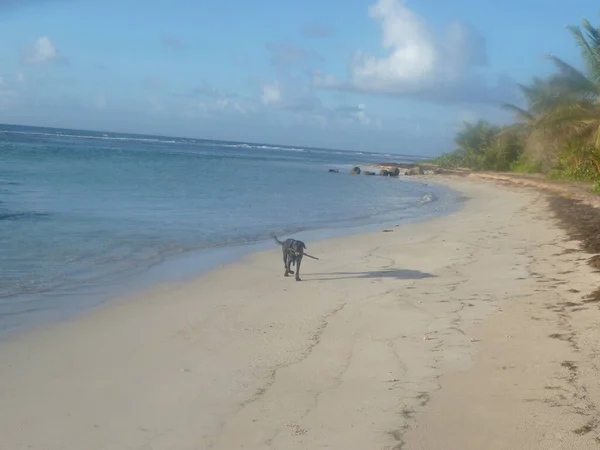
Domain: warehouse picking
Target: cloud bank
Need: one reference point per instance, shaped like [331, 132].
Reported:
[444, 67]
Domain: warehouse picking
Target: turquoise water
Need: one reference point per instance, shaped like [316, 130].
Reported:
[86, 211]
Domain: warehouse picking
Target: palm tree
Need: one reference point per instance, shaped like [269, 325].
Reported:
[563, 111]
[574, 112]
[482, 145]
[538, 148]
[475, 136]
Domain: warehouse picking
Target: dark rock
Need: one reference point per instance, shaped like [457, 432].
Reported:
[333, 170]
[355, 171]
[384, 172]
[394, 172]
[366, 172]
[415, 171]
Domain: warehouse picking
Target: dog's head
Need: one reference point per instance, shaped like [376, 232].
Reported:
[296, 251]
[298, 247]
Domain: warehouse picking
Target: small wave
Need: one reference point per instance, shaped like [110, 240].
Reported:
[19, 288]
[19, 312]
[283, 149]
[234, 145]
[263, 147]
[348, 153]
[82, 136]
[21, 215]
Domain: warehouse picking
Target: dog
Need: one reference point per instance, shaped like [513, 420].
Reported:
[293, 252]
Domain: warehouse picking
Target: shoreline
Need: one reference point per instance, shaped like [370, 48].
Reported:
[193, 263]
[386, 335]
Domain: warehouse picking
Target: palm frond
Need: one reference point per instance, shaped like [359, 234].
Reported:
[573, 86]
[590, 47]
[567, 70]
[519, 113]
[574, 120]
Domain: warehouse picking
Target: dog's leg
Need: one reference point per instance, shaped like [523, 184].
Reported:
[298, 261]
[288, 267]
[285, 264]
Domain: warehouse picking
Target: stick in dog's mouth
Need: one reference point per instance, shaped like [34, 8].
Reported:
[305, 254]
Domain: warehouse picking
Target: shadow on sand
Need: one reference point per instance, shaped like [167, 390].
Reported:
[399, 274]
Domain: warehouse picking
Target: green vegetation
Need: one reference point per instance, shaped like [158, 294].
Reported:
[557, 133]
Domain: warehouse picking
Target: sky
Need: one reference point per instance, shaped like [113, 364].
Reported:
[377, 75]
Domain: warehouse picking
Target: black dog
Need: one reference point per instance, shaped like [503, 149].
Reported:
[293, 251]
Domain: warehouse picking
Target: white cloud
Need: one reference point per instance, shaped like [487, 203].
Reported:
[271, 94]
[42, 51]
[418, 63]
[413, 55]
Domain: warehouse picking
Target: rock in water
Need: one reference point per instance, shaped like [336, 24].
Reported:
[428, 198]
[355, 170]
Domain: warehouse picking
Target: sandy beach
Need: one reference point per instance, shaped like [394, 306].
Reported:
[468, 331]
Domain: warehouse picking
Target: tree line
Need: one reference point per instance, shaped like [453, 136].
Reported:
[557, 132]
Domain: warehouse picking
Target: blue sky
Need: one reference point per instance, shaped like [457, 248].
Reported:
[379, 75]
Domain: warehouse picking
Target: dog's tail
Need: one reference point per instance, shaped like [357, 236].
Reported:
[277, 240]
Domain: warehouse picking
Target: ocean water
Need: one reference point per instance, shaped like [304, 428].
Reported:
[83, 212]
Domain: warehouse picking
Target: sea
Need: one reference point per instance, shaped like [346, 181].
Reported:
[86, 215]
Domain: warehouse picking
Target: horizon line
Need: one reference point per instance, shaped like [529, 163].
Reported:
[213, 140]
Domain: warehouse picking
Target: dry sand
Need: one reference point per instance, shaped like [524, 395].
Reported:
[465, 332]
